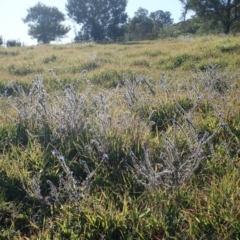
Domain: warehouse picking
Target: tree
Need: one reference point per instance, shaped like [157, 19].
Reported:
[225, 12]
[45, 23]
[185, 9]
[99, 19]
[161, 18]
[140, 27]
[147, 26]
[13, 43]
[1, 40]
[141, 14]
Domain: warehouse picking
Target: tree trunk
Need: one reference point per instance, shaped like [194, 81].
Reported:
[227, 27]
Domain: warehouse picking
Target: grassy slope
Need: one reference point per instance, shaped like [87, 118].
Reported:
[147, 57]
[116, 206]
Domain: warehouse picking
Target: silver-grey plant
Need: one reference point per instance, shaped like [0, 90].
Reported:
[183, 151]
[59, 115]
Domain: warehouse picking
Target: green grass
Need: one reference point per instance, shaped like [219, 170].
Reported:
[116, 117]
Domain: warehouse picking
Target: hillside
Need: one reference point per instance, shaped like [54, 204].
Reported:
[122, 141]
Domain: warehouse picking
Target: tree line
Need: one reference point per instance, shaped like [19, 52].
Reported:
[223, 15]
[107, 20]
[99, 21]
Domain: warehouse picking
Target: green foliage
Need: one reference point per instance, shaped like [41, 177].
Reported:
[225, 12]
[1, 40]
[147, 26]
[13, 43]
[23, 70]
[2, 88]
[89, 66]
[8, 136]
[107, 79]
[143, 63]
[81, 154]
[180, 60]
[140, 27]
[52, 58]
[190, 26]
[153, 54]
[100, 19]
[7, 89]
[161, 18]
[9, 53]
[45, 23]
[229, 47]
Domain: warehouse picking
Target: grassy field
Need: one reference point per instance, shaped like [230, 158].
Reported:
[138, 140]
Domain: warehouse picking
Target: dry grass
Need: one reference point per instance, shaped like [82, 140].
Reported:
[138, 111]
[148, 58]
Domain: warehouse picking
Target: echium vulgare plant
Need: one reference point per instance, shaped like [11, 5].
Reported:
[61, 115]
[214, 82]
[69, 189]
[181, 154]
[132, 92]
[29, 105]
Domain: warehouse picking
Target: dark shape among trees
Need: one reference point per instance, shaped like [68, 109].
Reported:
[99, 19]
[13, 43]
[161, 18]
[45, 23]
[225, 12]
[147, 26]
[140, 27]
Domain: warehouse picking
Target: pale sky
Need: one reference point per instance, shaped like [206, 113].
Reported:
[12, 12]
